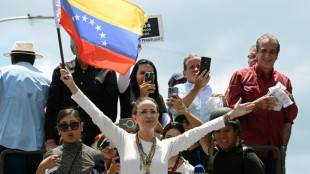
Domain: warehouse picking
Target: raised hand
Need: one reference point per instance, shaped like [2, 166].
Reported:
[67, 79]
[241, 109]
[202, 80]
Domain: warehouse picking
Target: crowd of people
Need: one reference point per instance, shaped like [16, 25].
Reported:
[73, 117]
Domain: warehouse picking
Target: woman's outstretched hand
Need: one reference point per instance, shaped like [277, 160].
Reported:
[67, 79]
[241, 109]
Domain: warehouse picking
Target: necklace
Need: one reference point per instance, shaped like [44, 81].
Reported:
[146, 159]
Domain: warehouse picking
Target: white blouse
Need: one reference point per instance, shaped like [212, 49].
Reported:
[126, 142]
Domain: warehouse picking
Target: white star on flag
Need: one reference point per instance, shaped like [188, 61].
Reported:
[91, 21]
[102, 35]
[98, 28]
[104, 43]
[73, 18]
[84, 18]
[77, 17]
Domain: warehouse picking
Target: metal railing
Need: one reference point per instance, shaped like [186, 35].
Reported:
[14, 151]
[280, 161]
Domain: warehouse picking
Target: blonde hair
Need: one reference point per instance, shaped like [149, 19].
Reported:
[190, 56]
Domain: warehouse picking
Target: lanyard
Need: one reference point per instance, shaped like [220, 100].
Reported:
[146, 161]
[176, 164]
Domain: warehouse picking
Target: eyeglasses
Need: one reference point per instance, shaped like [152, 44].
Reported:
[73, 125]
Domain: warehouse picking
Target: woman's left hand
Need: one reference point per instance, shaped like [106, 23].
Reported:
[241, 109]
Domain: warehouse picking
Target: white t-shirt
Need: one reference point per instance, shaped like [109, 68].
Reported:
[126, 142]
[186, 168]
[198, 106]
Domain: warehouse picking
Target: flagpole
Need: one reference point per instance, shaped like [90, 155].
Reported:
[60, 49]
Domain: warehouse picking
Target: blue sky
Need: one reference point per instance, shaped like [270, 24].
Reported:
[223, 30]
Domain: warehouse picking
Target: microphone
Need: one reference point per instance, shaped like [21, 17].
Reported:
[99, 168]
[199, 169]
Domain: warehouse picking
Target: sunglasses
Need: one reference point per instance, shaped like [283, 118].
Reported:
[73, 125]
[105, 144]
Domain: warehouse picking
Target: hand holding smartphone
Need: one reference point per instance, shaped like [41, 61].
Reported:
[205, 63]
[172, 90]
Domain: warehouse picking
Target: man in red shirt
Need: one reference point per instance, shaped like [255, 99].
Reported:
[263, 126]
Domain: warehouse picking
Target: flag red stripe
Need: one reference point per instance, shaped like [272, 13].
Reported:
[94, 55]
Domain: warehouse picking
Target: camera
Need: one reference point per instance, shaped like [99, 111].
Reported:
[127, 123]
[149, 76]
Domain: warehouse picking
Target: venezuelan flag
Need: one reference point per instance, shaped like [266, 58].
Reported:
[106, 32]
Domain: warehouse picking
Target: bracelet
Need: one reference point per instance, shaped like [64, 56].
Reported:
[228, 118]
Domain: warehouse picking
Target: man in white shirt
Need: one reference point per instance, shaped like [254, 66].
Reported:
[196, 91]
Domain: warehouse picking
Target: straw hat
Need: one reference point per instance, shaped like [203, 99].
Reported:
[21, 47]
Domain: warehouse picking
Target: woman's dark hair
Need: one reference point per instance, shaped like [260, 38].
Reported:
[18, 57]
[141, 99]
[173, 125]
[68, 111]
[133, 78]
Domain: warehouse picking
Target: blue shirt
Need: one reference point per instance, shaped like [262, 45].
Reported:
[198, 106]
[23, 96]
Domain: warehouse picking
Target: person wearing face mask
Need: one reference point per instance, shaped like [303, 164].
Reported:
[72, 156]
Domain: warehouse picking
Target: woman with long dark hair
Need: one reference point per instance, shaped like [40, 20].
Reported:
[138, 87]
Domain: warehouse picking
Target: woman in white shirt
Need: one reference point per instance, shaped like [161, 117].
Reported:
[143, 152]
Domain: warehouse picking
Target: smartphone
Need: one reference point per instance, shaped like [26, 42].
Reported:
[149, 76]
[172, 90]
[205, 63]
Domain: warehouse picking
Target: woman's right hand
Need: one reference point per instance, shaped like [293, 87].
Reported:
[115, 167]
[146, 88]
[67, 79]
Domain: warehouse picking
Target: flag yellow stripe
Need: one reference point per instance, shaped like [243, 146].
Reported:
[120, 13]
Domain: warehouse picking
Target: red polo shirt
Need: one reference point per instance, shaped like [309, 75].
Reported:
[260, 127]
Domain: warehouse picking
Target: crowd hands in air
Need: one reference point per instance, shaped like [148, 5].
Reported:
[178, 135]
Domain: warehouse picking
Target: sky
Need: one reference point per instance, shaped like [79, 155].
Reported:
[223, 30]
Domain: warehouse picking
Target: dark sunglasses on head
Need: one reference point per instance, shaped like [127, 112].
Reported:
[105, 144]
[73, 125]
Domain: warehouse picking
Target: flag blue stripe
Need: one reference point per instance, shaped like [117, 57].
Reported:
[117, 39]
